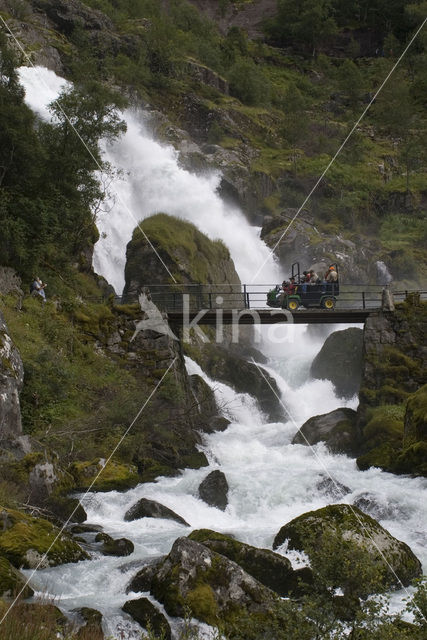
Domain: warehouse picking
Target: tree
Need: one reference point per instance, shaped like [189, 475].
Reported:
[351, 82]
[296, 120]
[308, 23]
[248, 83]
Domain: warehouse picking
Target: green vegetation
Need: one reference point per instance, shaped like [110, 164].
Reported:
[49, 190]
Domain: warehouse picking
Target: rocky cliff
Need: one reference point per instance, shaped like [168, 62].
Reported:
[11, 382]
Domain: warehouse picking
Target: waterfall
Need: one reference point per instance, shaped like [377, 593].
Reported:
[383, 274]
[152, 181]
[271, 480]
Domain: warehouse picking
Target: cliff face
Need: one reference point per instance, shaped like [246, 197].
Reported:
[392, 397]
[11, 381]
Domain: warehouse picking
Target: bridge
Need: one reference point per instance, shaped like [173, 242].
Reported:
[247, 304]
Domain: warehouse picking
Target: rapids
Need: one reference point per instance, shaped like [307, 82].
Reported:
[271, 480]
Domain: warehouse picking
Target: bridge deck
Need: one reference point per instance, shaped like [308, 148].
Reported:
[271, 316]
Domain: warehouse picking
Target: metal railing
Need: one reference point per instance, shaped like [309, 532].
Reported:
[243, 296]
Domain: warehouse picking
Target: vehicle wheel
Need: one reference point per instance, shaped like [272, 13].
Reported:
[328, 303]
[293, 305]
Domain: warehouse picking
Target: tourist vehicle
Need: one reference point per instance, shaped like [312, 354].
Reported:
[323, 295]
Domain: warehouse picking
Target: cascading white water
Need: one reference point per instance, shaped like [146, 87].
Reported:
[152, 181]
[271, 480]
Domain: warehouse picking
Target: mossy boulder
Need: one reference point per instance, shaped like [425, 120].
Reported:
[24, 541]
[214, 490]
[146, 508]
[12, 581]
[114, 546]
[340, 361]
[92, 624]
[148, 616]
[382, 437]
[211, 586]
[271, 569]
[338, 429]
[354, 530]
[190, 256]
[114, 476]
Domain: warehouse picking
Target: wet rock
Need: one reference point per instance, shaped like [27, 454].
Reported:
[214, 490]
[92, 627]
[340, 361]
[85, 528]
[337, 429]
[332, 488]
[146, 508]
[231, 367]
[12, 581]
[208, 419]
[271, 569]
[372, 504]
[143, 579]
[358, 531]
[209, 584]
[148, 616]
[114, 546]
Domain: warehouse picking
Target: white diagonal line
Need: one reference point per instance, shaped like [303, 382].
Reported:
[336, 485]
[337, 153]
[61, 531]
[100, 169]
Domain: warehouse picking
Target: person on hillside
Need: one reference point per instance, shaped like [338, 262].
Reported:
[37, 288]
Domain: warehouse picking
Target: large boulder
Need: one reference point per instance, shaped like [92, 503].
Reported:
[214, 490]
[34, 542]
[338, 429]
[355, 531]
[146, 508]
[340, 361]
[212, 587]
[148, 616]
[271, 569]
[188, 254]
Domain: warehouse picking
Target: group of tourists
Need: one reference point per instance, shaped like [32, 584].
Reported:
[308, 278]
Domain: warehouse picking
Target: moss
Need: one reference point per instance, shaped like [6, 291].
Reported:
[129, 310]
[384, 423]
[190, 255]
[28, 538]
[11, 581]
[202, 603]
[381, 456]
[113, 477]
[195, 460]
